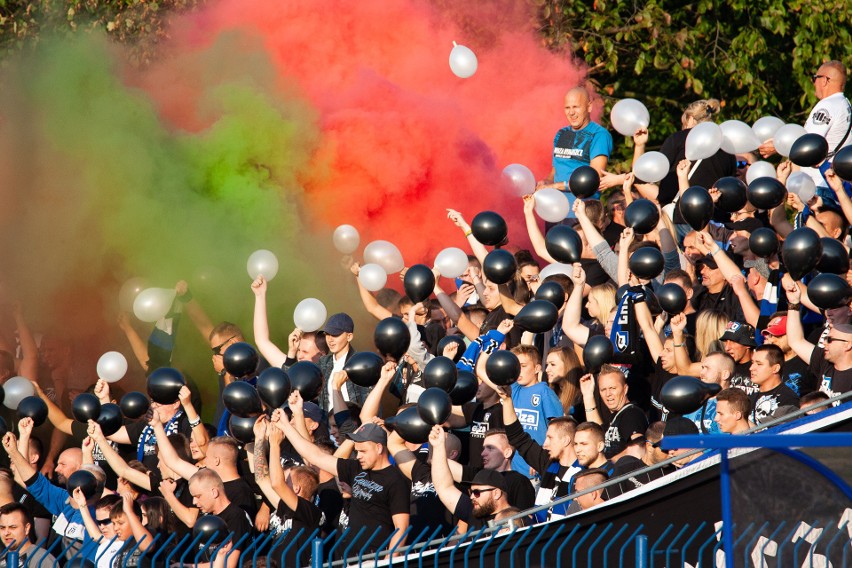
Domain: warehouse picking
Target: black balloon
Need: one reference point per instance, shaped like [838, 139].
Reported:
[434, 406]
[809, 150]
[440, 373]
[696, 207]
[564, 244]
[841, 163]
[85, 407]
[672, 298]
[392, 338]
[642, 216]
[733, 194]
[829, 291]
[801, 252]
[4, 428]
[489, 228]
[164, 384]
[364, 368]
[33, 407]
[465, 388]
[597, 352]
[835, 257]
[409, 426]
[502, 367]
[242, 428]
[306, 377]
[552, 292]
[499, 266]
[684, 394]
[240, 360]
[419, 281]
[273, 387]
[134, 405]
[207, 526]
[537, 316]
[646, 262]
[110, 419]
[458, 340]
[241, 399]
[85, 480]
[584, 182]
[763, 242]
[766, 193]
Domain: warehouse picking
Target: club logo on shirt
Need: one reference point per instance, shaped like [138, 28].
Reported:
[622, 339]
[821, 117]
[478, 429]
[528, 418]
[535, 399]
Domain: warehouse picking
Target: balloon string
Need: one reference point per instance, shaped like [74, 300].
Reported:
[694, 167]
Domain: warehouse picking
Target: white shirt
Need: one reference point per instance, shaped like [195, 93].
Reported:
[829, 118]
[338, 366]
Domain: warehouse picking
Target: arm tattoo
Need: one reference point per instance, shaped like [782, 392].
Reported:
[261, 464]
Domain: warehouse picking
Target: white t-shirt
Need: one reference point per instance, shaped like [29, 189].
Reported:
[830, 118]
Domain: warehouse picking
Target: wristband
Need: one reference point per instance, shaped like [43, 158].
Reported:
[793, 307]
[194, 423]
[592, 409]
[680, 344]
[565, 186]
[715, 252]
[468, 233]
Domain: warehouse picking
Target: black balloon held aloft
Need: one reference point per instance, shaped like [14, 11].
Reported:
[364, 368]
[33, 407]
[537, 316]
[500, 266]
[684, 394]
[409, 425]
[829, 291]
[164, 384]
[552, 292]
[134, 405]
[456, 339]
[733, 194]
[391, 338]
[85, 407]
[766, 193]
[240, 359]
[110, 419]
[801, 252]
[273, 387]
[241, 399]
[584, 182]
[434, 406]
[440, 373]
[696, 207]
[419, 282]
[809, 150]
[306, 377]
[763, 242]
[672, 298]
[642, 216]
[85, 480]
[841, 163]
[564, 244]
[465, 388]
[242, 428]
[209, 525]
[489, 228]
[835, 257]
[502, 367]
[646, 262]
[597, 352]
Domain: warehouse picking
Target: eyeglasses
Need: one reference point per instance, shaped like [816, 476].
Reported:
[478, 492]
[104, 522]
[741, 164]
[833, 339]
[815, 77]
[218, 349]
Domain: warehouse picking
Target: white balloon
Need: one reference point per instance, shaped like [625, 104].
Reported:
[451, 262]
[704, 140]
[551, 205]
[262, 262]
[759, 170]
[462, 61]
[786, 136]
[385, 254]
[15, 390]
[346, 239]
[521, 178]
[555, 268]
[738, 137]
[766, 127]
[152, 304]
[372, 277]
[651, 167]
[310, 314]
[628, 116]
[802, 185]
[112, 366]
[129, 291]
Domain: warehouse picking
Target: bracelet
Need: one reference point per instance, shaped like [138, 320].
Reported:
[680, 344]
[715, 252]
[793, 307]
[194, 423]
[592, 409]
[565, 186]
[468, 233]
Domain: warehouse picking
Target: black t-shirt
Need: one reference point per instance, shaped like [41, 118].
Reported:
[238, 522]
[481, 420]
[796, 374]
[464, 512]
[493, 319]
[330, 502]
[135, 431]
[658, 380]
[628, 464]
[626, 422]
[427, 511]
[741, 378]
[519, 491]
[831, 381]
[595, 274]
[301, 523]
[764, 404]
[240, 493]
[181, 493]
[612, 233]
[725, 301]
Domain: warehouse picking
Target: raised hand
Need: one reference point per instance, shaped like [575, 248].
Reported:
[259, 286]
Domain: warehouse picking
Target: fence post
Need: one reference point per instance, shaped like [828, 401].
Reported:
[12, 559]
[316, 553]
[641, 551]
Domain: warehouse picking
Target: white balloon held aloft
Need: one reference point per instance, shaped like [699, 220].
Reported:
[372, 277]
[112, 366]
[451, 262]
[521, 178]
[262, 262]
[129, 291]
[346, 239]
[704, 140]
[385, 254]
[551, 205]
[738, 137]
[759, 170]
[555, 268]
[152, 304]
[651, 167]
[309, 315]
[766, 127]
[786, 136]
[15, 390]
[462, 61]
[802, 185]
[628, 116]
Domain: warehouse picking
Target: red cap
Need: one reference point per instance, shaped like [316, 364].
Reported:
[777, 326]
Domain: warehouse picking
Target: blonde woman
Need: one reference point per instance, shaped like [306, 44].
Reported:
[709, 327]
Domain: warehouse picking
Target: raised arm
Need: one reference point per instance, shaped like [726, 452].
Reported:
[262, 473]
[199, 432]
[795, 333]
[652, 337]
[297, 407]
[167, 452]
[115, 461]
[442, 478]
[20, 463]
[194, 310]
[571, 326]
[593, 236]
[683, 363]
[588, 384]
[478, 248]
[54, 414]
[536, 237]
[624, 242]
[137, 344]
[29, 349]
[269, 350]
[140, 533]
[374, 400]
[370, 303]
[91, 526]
[404, 458]
[836, 186]
[304, 447]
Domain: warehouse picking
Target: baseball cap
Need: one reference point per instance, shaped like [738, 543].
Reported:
[489, 478]
[312, 411]
[777, 327]
[338, 324]
[748, 224]
[369, 433]
[708, 260]
[741, 333]
[758, 264]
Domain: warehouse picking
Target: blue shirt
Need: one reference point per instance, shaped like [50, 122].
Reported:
[709, 418]
[57, 501]
[535, 405]
[575, 148]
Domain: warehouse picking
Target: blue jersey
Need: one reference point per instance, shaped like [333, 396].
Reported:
[710, 425]
[575, 148]
[535, 405]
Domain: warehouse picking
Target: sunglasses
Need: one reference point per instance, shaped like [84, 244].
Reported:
[741, 164]
[815, 77]
[478, 492]
[218, 349]
[833, 339]
[104, 522]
